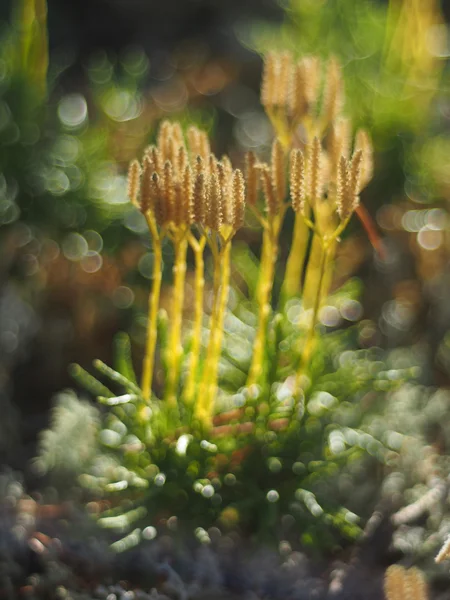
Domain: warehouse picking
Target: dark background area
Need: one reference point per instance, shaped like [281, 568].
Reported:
[83, 27]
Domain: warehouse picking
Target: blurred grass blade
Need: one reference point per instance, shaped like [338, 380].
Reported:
[123, 359]
[39, 59]
[30, 18]
[116, 377]
[90, 383]
[24, 19]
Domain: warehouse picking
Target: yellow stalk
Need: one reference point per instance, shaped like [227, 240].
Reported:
[318, 297]
[265, 285]
[329, 268]
[203, 408]
[281, 127]
[197, 247]
[312, 272]
[296, 259]
[149, 356]
[264, 260]
[174, 346]
[327, 229]
[219, 324]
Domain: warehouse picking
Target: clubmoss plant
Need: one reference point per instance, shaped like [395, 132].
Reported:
[325, 178]
[232, 440]
[179, 187]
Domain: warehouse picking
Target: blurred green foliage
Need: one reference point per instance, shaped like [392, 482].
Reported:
[57, 171]
[261, 470]
[416, 485]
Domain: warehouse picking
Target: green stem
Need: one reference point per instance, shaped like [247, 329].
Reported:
[208, 385]
[296, 259]
[267, 275]
[310, 338]
[220, 318]
[312, 272]
[198, 247]
[174, 346]
[153, 305]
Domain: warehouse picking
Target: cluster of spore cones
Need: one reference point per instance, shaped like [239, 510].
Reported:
[197, 200]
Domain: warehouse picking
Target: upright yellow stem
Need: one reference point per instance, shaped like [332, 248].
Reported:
[318, 297]
[219, 325]
[312, 272]
[296, 260]
[326, 229]
[329, 268]
[198, 248]
[265, 285]
[204, 406]
[265, 259]
[153, 305]
[281, 127]
[174, 346]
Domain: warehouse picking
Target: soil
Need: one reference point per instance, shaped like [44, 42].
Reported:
[57, 552]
